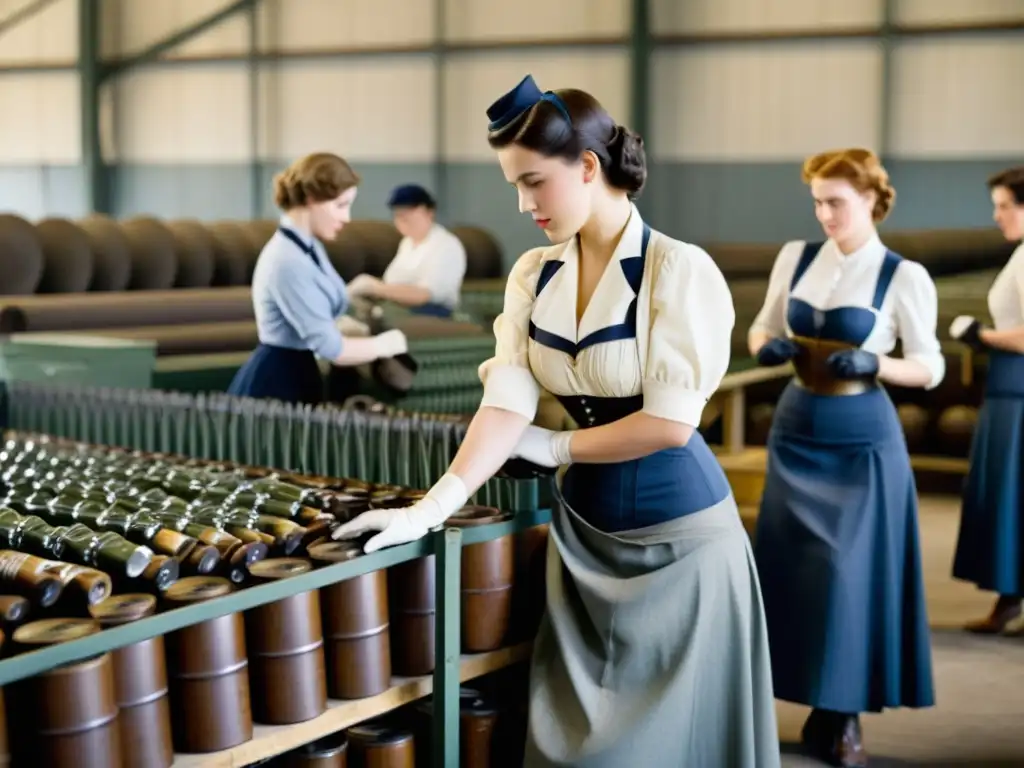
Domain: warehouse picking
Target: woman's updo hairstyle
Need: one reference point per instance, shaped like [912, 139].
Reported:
[565, 124]
[1011, 179]
[315, 178]
[861, 168]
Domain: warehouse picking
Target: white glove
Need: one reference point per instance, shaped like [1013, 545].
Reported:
[544, 447]
[390, 343]
[960, 326]
[399, 526]
[349, 326]
[364, 285]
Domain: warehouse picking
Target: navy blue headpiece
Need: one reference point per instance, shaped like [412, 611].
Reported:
[410, 196]
[518, 100]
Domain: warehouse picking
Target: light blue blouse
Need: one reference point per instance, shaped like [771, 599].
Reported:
[296, 299]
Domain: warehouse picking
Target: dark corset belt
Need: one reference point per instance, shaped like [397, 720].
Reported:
[589, 411]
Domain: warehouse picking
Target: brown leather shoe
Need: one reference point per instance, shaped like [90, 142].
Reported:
[1005, 610]
[849, 749]
[834, 739]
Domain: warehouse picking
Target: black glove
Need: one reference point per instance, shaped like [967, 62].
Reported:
[853, 364]
[967, 330]
[777, 351]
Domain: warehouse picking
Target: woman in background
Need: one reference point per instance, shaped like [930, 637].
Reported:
[990, 547]
[426, 274]
[298, 297]
[837, 543]
[654, 651]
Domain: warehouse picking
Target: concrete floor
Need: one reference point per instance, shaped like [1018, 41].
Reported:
[979, 718]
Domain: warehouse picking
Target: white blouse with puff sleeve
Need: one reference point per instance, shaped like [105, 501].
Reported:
[1006, 296]
[676, 358]
[908, 313]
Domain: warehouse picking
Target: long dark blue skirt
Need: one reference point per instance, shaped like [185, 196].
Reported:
[838, 555]
[278, 373]
[990, 547]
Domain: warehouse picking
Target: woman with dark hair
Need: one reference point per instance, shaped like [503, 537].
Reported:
[654, 648]
[990, 548]
[837, 543]
[298, 298]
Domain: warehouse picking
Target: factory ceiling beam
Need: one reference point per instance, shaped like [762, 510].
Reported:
[23, 14]
[172, 41]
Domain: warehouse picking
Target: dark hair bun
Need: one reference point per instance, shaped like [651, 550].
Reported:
[627, 166]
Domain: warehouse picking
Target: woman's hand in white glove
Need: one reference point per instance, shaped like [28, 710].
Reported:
[364, 285]
[390, 343]
[400, 526]
[544, 447]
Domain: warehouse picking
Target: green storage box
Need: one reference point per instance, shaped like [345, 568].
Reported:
[92, 361]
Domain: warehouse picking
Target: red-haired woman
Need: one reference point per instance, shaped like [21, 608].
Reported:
[837, 543]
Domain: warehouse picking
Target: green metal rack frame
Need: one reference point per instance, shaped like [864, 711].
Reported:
[445, 544]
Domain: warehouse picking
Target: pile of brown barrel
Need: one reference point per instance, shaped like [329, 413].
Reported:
[98, 253]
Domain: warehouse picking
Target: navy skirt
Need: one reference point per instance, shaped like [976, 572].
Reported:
[838, 556]
[990, 547]
[278, 373]
[654, 489]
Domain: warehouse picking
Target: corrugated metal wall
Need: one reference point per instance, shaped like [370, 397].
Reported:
[741, 91]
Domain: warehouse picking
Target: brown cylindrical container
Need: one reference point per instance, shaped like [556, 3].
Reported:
[140, 680]
[356, 628]
[331, 752]
[285, 641]
[412, 607]
[477, 720]
[488, 574]
[67, 716]
[375, 745]
[208, 672]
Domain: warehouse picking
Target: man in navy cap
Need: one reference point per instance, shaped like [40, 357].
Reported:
[426, 273]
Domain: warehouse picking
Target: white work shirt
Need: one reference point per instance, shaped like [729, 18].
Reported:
[437, 264]
[909, 312]
[1006, 296]
[678, 357]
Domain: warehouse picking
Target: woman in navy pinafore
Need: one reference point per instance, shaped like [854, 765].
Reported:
[837, 543]
[990, 547]
[298, 297]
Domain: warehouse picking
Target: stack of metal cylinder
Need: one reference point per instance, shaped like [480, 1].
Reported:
[97, 537]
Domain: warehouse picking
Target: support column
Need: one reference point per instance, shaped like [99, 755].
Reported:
[641, 46]
[440, 98]
[90, 76]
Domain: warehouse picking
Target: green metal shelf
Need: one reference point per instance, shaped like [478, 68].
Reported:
[444, 543]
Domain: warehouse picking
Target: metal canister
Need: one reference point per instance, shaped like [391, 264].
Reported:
[378, 745]
[208, 671]
[285, 645]
[67, 716]
[140, 685]
[477, 720]
[331, 752]
[356, 627]
[488, 575]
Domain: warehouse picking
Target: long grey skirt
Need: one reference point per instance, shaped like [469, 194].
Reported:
[653, 652]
